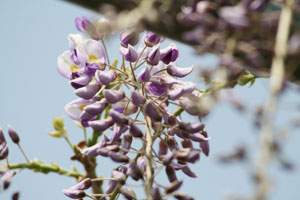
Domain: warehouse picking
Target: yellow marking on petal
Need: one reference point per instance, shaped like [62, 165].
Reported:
[74, 68]
[81, 107]
[93, 58]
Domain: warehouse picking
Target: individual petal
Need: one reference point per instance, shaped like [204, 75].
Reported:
[152, 39]
[113, 96]
[74, 41]
[111, 186]
[13, 134]
[2, 138]
[175, 92]
[162, 148]
[152, 111]
[136, 98]
[135, 131]
[178, 71]
[75, 108]
[198, 137]
[117, 157]
[171, 174]
[157, 89]
[120, 176]
[74, 194]
[181, 196]
[189, 172]
[90, 69]
[191, 127]
[144, 75]
[154, 56]
[128, 193]
[129, 53]
[133, 171]
[118, 117]
[93, 150]
[3, 150]
[156, 194]
[141, 164]
[87, 92]
[172, 143]
[131, 109]
[97, 107]
[173, 187]
[166, 159]
[177, 166]
[205, 147]
[117, 132]
[129, 36]
[101, 125]
[65, 65]
[80, 81]
[91, 51]
[169, 54]
[127, 140]
[82, 185]
[105, 77]
[86, 116]
[7, 178]
[193, 156]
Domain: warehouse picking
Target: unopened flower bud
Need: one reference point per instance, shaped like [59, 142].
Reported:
[80, 81]
[133, 171]
[82, 185]
[129, 37]
[105, 77]
[7, 178]
[178, 71]
[137, 99]
[205, 147]
[100, 125]
[156, 194]
[154, 56]
[162, 148]
[113, 96]
[181, 196]
[173, 187]
[87, 92]
[2, 138]
[152, 111]
[188, 172]
[152, 39]
[128, 193]
[169, 54]
[117, 157]
[191, 127]
[97, 107]
[13, 134]
[127, 140]
[171, 174]
[141, 164]
[129, 53]
[118, 117]
[144, 76]
[119, 176]
[3, 150]
[15, 195]
[58, 124]
[74, 194]
[135, 131]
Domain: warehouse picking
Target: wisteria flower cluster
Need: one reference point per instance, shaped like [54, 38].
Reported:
[141, 100]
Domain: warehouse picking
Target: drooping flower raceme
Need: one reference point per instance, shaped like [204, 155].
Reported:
[132, 101]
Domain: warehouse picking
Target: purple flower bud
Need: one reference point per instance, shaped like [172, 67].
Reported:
[169, 54]
[111, 186]
[74, 194]
[154, 56]
[193, 156]
[128, 193]
[103, 152]
[117, 157]
[131, 108]
[83, 185]
[117, 132]
[13, 134]
[188, 172]
[178, 90]
[134, 172]
[3, 150]
[166, 159]
[152, 111]
[135, 131]
[177, 166]
[2, 138]
[198, 137]
[157, 89]
[151, 39]
[172, 143]
[141, 164]
[182, 154]
[127, 140]
[80, 81]
[137, 99]
[181, 196]
[129, 53]
[171, 174]
[105, 77]
[118, 117]
[85, 25]
[162, 148]
[187, 144]
[129, 37]
[101, 125]
[173, 187]
[119, 175]
[93, 150]
[191, 127]
[205, 147]
[144, 76]
[15, 195]
[178, 71]
[87, 92]
[113, 96]
[97, 107]
[156, 194]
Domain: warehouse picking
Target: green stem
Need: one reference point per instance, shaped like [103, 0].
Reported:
[46, 168]
[22, 151]
[103, 43]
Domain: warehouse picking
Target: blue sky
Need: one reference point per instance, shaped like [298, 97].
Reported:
[34, 34]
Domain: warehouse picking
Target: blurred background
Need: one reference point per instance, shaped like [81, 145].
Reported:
[32, 92]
